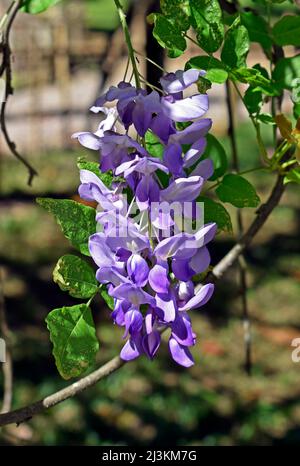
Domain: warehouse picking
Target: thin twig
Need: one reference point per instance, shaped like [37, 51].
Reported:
[242, 269]
[5, 70]
[262, 215]
[7, 366]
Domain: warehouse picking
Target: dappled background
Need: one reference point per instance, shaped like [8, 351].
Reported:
[63, 60]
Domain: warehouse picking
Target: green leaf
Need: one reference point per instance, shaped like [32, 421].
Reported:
[216, 212]
[253, 100]
[77, 221]
[207, 21]
[266, 118]
[286, 71]
[256, 80]
[257, 29]
[287, 31]
[237, 191]
[107, 298]
[37, 6]
[74, 275]
[215, 151]
[296, 110]
[178, 11]
[293, 176]
[168, 35]
[215, 71]
[153, 145]
[236, 45]
[72, 332]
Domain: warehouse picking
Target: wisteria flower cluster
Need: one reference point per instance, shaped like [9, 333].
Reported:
[151, 274]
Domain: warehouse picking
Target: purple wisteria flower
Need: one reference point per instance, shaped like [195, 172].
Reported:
[150, 275]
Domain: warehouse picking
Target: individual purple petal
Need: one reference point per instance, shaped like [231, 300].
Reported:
[180, 353]
[182, 269]
[141, 118]
[146, 192]
[149, 320]
[173, 159]
[185, 290]
[168, 247]
[158, 279]
[163, 127]
[167, 304]
[88, 140]
[194, 153]
[151, 343]
[180, 80]
[186, 109]
[205, 234]
[182, 189]
[205, 169]
[189, 135]
[123, 91]
[133, 320]
[200, 261]
[182, 330]
[86, 176]
[132, 293]
[201, 298]
[102, 255]
[118, 314]
[111, 275]
[138, 269]
[131, 350]
[122, 140]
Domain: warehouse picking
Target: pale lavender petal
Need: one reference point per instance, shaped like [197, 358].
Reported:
[138, 269]
[131, 350]
[86, 176]
[88, 140]
[200, 261]
[180, 80]
[158, 279]
[133, 294]
[169, 246]
[183, 189]
[186, 109]
[114, 275]
[180, 353]
[205, 234]
[149, 320]
[166, 303]
[100, 251]
[201, 298]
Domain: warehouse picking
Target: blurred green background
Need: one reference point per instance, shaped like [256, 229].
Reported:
[155, 403]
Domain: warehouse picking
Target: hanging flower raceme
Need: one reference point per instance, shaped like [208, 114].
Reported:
[147, 261]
